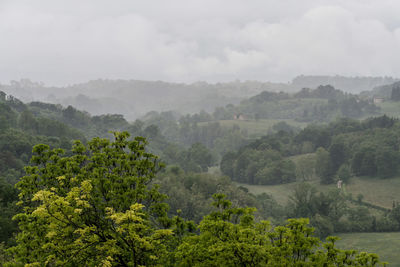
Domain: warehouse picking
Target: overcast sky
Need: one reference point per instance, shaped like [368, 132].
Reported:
[63, 42]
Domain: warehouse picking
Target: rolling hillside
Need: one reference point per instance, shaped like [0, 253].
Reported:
[380, 192]
[386, 245]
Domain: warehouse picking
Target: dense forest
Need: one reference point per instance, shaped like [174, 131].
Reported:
[96, 207]
[366, 148]
[191, 187]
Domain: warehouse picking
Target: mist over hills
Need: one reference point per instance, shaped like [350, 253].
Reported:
[134, 98]
[346, 84]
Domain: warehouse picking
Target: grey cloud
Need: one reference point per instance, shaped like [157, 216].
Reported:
[61, 42]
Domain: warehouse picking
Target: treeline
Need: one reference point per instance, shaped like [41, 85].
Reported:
[342, 148]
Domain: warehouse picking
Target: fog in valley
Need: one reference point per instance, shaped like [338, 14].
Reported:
[134, 98]
[135, 57]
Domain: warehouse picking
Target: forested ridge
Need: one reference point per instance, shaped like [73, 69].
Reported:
[185, 218]
[136, 97]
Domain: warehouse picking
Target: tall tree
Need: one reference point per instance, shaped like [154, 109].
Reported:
[95, 207]
[323, 166]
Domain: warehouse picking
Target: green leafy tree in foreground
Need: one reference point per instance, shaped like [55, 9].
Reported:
[98, 207]
[95, 207]
[231, 237]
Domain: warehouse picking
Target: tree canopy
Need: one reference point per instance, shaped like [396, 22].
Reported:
[92, 207]
[97, 205]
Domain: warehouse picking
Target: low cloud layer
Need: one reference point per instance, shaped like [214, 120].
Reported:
[63, 42]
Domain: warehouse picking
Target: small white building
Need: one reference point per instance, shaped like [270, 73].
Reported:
[339, 184]
[240, 117]
[378, 100]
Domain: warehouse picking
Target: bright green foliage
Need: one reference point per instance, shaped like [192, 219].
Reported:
[98, 207]
[94, 207]
[231, 237]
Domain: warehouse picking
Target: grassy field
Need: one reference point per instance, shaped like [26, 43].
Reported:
[386, 245]
[381, 192]
[375, 191]
[282, 192]
[256, 128]
[390, 108]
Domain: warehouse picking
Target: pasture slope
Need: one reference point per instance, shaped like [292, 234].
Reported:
[256, 128]
[386, 245]
[380, 192]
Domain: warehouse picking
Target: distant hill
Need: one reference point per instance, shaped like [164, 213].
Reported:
[383, 91]
[323, 104]
[134, 98]
[347, 84]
